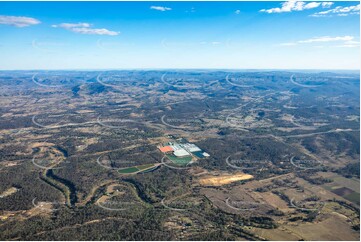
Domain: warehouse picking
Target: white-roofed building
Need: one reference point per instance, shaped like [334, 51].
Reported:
[191, 147]
[176, 147]
[181, 153]
[205, 154]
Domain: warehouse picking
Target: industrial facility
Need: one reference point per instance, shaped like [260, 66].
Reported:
[178, 151]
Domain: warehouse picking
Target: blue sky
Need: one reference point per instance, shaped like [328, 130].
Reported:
[128, 35]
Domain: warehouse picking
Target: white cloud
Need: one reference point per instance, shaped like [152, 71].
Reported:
[311, 5]
[18, 21]
[327, 4]
[237, 11]
[346, 41]
[327, 39]
[339, 11]
[84, 28]
[160, 8]
[94, 31]
[210, 43]
[350, 44]
[293, 5]
[71, 25]
[288, 44]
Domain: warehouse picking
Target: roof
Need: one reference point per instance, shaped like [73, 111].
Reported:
[165, 149]
[205, 154]
[176, 147]
[190, 147]
[181, 152]
[194, 149]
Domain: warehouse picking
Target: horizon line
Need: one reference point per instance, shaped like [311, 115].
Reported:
[185, 69]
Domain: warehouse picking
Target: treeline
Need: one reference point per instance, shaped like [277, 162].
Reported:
[350, 170]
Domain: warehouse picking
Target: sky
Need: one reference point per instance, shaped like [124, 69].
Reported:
[184, 35]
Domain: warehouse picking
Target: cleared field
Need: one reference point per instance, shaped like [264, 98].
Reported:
[346, 193]
[275, 201]
[146, 166]
[332, 228]
[128, 170]
[136, 169]
[353, 197]
[279, 234]
[8, 192]
[223, 179]
[351, 183]
[180, 160]
[342, 191]
[348, 188]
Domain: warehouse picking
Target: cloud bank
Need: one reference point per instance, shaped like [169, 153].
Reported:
[84, 28]
[293, 5]
[160, 8]
[18, 21]
[339, 11]
[348, 41]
